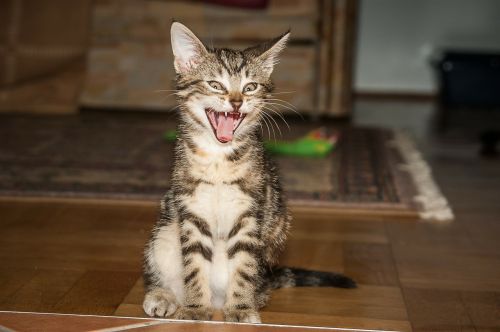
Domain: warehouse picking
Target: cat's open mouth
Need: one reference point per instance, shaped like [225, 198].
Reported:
[224, 124]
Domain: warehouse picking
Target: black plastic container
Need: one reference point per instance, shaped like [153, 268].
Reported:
[469, 79]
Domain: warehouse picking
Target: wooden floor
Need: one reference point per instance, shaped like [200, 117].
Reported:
[36, 322]
[85, 258]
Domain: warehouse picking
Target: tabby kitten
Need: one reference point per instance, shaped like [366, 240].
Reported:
[224, 221]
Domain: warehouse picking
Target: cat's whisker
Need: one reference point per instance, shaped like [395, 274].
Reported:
[164, 99]
[284, 101]
[171, 94]
[260, 120]
[281, 92]
[176, 90]
[275, 111]
[260, 125]
[267, 126]
[281, 105]
[172, 110]
[277, 126]
[167, 96]
[271, 120]
[286, 107]
[176, 107]
[261, 129]
[265, 123]
[278, 114]
[277, 100]
[272, 129]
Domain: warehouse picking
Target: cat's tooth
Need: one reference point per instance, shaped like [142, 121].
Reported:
[225, 113]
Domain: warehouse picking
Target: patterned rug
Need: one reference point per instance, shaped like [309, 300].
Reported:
[119, 155]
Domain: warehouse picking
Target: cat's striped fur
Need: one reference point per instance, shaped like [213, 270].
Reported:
[224, 221]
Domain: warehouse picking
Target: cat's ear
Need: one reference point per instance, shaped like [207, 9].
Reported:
[272, 50]
[188, 49]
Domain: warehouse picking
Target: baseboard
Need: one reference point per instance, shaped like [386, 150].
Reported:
[411, 96]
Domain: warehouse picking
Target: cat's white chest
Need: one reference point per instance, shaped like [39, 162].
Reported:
[220, 205]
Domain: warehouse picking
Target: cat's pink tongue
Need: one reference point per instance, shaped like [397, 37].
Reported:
[225, 128]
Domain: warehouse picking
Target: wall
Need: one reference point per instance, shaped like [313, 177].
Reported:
[397, 37]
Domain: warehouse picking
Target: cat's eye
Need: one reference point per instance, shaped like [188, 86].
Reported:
[250, 87]
[216, 85]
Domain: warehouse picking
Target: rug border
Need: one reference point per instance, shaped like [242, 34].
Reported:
[323, 212]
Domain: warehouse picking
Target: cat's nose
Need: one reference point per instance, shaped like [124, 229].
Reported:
[236, 104]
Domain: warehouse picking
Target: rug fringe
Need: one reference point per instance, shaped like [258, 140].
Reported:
[433, 205]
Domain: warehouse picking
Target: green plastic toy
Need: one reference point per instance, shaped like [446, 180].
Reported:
[316, 144]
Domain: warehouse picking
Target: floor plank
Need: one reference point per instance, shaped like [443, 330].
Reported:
[379, 302]
[370, 263]
[437, 310]
[43, 291]
[443, 268]
[483, 309]
[337, 321]
[13, 279]
[97, 292]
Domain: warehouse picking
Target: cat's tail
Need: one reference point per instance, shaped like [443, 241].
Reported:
[283, 277]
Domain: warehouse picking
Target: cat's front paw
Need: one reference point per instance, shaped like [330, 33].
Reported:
[187, 313]
[160, 303]
[242, 316]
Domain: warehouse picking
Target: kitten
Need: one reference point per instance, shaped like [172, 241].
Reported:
[224, 221]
